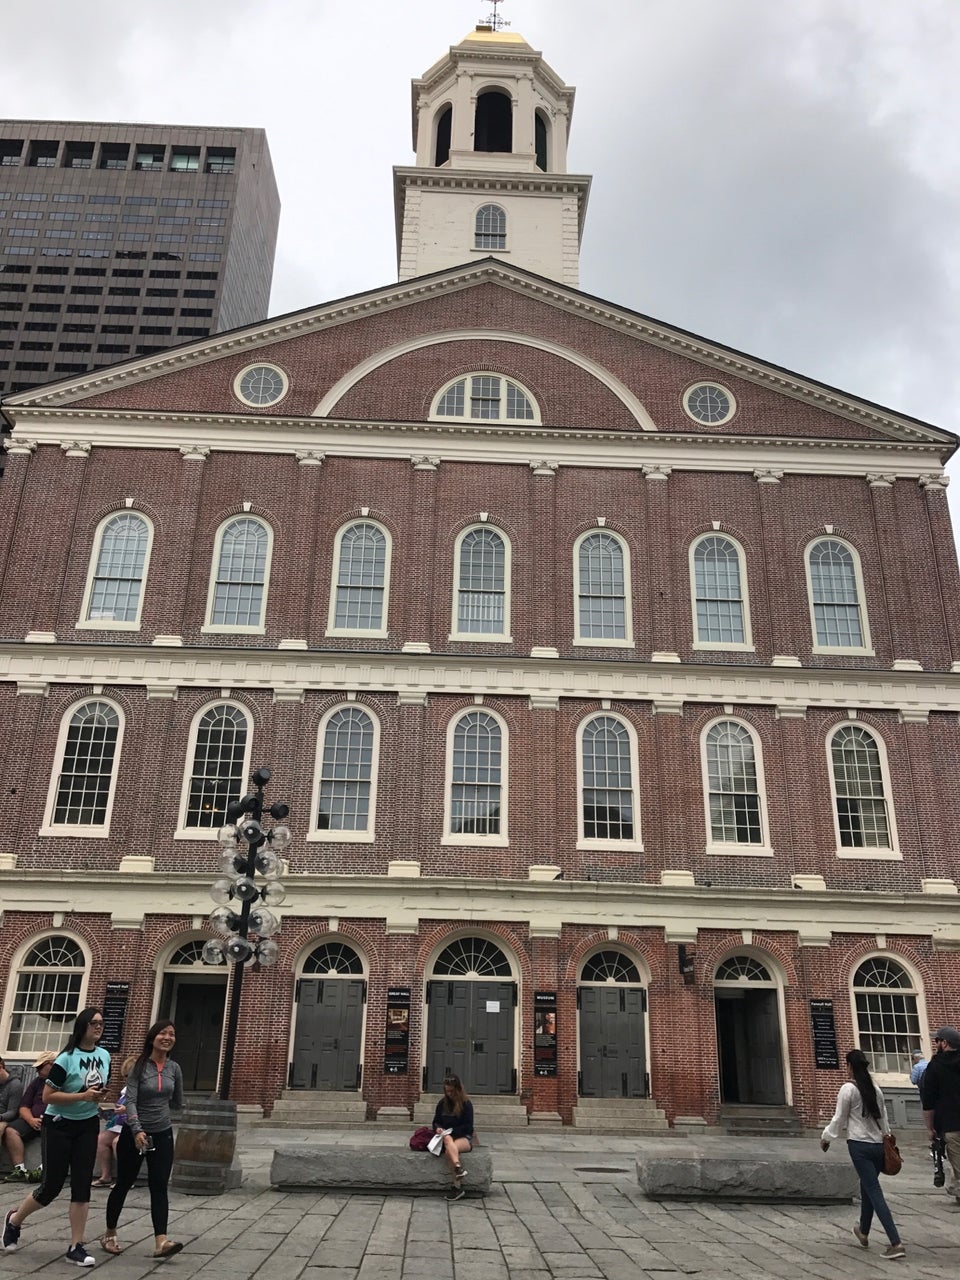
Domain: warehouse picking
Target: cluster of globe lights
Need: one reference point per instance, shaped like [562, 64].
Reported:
[236, 884]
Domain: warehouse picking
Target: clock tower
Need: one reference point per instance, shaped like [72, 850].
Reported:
[490, 127]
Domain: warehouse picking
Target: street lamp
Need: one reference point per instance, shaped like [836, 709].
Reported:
[243, 915]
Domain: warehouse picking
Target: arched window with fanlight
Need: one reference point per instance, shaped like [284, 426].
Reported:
[219, 763]
[237, 596]
[471, 957]
[733, 783]
[835, 585]
[490, 228]
[345, 787]
[887, 1015]
[482, 595]
[602, 593]
[113, 598]
[864, 818]
[48, 984]
[485, 397]
[361, 580]
[476, 771]
[85, 771]
[609, 783]
[721, 616]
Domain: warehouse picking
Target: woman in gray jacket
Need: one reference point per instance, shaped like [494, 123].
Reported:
[154, 1087]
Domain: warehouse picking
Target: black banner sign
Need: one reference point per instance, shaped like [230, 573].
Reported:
[544, 1033]
[396, 1049]
[115, 1001]
[825, 1053]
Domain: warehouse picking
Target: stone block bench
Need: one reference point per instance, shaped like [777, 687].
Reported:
[769, 1177]
[374, 1168]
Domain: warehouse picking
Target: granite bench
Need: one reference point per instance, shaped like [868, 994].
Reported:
[769, 1177]
[374, 1168]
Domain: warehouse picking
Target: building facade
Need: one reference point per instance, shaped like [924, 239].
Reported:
[611, 677]
[120, 240]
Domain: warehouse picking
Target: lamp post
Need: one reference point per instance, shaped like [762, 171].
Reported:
[247, 931]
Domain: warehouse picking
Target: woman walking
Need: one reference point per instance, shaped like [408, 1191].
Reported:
[154, 1086]
[76, 1085]
[455, 1112]
[860, 1114]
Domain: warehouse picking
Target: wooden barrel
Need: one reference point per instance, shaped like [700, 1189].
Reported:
[205, 1147]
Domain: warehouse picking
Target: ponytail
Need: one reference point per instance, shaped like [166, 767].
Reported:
[860, 1070]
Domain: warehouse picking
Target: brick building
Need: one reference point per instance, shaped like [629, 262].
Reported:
[611, 676]
[120, 240]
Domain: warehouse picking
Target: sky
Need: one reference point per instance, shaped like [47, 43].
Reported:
[777, 175]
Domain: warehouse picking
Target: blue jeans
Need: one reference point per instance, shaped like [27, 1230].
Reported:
[867, 1159]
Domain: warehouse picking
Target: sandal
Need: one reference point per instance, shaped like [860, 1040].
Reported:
[102, 1182]
[110, 1244]
[169, 1249]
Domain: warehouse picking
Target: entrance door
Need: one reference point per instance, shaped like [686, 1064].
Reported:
[197, 1010]
[328, 1035]
[613, 1059]
[748, 1046]
[470, 1032]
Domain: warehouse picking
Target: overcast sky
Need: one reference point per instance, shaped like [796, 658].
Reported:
[778, 175]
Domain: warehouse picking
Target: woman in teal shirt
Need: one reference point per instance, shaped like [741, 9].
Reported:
[74, 1089]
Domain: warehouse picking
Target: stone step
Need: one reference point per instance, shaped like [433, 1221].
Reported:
[490, 1113]
[618, 1124]
[620, 1115]
[331, 1110]
[615, 1106]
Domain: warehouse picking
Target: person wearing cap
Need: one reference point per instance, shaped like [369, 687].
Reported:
[940, 1098]
[28, 1122]
[918, 1065]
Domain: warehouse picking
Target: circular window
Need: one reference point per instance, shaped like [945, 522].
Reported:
[706, 402]
[261, 384]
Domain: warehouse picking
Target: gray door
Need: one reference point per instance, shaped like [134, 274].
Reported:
[470, 1031]
[326, 1043]
[197, 1009]
[748, 1046]
[613, 1058]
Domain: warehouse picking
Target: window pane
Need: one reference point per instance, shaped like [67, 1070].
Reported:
[602, 588]
[484, 397]
[482, 577]
[861, 806]
[345, 772]
[732, 785]
[83, 790]
[241, 575]
[217, 777]
[361, 575]
[491, 228]
[47, 998]
[115, 594]
[607, 786]
[452, 401]
[475, 794]
[836, 607]
[718, 593]
[518, 406]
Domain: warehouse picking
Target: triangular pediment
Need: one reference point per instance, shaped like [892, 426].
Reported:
[459, 305]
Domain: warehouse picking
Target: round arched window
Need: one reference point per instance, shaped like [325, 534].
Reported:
[472, 957]
[610, 966]
[47, 997]
[260, 385]
[333, 959]
[708, 403]
[888, 1023]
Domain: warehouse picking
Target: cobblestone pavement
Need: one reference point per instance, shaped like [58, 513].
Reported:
[546, 1217]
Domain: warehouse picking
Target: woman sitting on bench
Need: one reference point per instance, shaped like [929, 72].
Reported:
[455, 1112]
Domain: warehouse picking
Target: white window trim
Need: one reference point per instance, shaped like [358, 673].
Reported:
[596, 642]
[535, 421]
[583, 842]
[482, 637]
[891, 853]
[741, 646]
[359, 632]
[369, 834]
[13, 1055]
[220, 628]
[104, 624]
[49, 828]
[502, 838]
[727, 848]
[892, 1079]
[709, 382]
[258, 364]
[506, 233]
[183, 832]
[866, 649]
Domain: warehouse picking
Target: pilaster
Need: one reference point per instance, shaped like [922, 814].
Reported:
[663, 637]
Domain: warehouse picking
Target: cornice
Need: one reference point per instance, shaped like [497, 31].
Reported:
[412, 899]
[409, 292]
[406, 674]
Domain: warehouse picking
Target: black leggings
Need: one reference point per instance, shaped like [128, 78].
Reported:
[159, 1165]
[67, 1146]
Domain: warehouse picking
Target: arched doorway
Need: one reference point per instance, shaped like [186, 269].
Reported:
[192, 994]
[612, 1008]
[749, 1048]
[328, 1034]
[471, 1019]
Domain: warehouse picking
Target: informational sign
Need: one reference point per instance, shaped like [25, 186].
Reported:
[396, 1049]
[825, 1053]
[114, 1015]
[544, 1033]
[493, 1006]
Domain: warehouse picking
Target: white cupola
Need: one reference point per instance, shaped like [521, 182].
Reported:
[490, 126]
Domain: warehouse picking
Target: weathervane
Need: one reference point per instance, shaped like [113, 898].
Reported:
[494, 21]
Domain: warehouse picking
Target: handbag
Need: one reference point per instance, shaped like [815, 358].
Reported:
[892, 1163]
[420, 1138]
